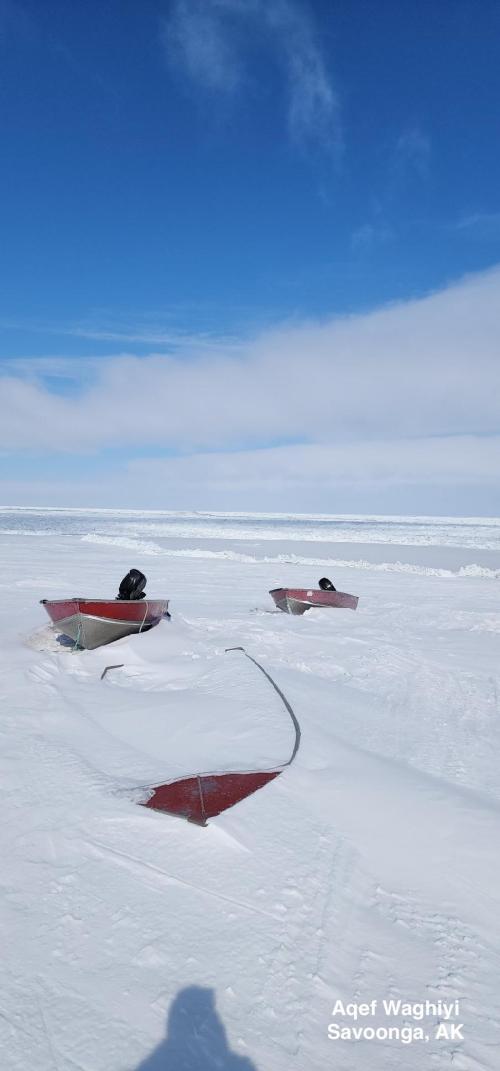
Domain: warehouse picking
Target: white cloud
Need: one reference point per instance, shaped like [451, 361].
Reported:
[205, 39]
[409, 393]
[421, 368]
[460, 459]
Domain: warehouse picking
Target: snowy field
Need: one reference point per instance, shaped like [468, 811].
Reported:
[369, 870]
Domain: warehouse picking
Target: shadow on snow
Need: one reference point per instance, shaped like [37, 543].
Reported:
[196, 1039]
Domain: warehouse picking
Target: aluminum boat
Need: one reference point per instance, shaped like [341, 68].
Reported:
[298, 600]
[91, 623]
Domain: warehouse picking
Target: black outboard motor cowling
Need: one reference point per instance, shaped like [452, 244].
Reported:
[132, 585]
[326, 584]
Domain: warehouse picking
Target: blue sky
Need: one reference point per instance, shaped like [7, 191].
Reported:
[187, 185]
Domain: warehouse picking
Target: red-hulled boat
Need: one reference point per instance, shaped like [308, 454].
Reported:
[93, 622]
[298, 600]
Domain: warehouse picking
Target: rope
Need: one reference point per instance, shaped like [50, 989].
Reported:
[144, 618]
[282, 697]
[76, 645]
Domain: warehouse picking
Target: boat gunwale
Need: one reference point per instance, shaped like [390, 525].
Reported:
[77, 598]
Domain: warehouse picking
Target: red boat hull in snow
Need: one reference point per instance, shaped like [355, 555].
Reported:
[206, 795]
[298, 600]
[203, 796]
[94, 622]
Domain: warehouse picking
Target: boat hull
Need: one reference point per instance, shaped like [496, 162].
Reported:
[91, 623]
[298, 600]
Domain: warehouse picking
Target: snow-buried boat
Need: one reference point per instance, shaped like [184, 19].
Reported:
[204, 796]
[298, 600]
[189, 735]
[90, 623]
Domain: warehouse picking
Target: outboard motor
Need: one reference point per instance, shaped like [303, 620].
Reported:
[132, 585]
[326, 584]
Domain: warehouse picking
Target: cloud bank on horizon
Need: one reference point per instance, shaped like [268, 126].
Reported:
[397, 408]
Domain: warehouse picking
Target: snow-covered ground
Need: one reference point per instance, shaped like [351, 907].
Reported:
[133, 941]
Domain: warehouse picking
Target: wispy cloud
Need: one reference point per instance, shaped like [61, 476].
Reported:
[408, 166]
[313, 103]
[169, 339]
[40, 368]
[198, 39]
[369, 235]
[413, 152]
[206, 40]
[483, 226]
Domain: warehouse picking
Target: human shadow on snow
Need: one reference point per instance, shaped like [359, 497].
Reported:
[196, 1039]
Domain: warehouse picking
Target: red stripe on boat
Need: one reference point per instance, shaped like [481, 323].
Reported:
[147, 610]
